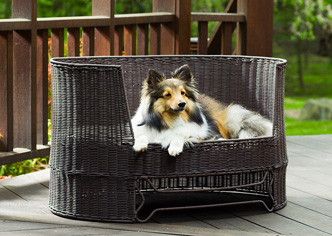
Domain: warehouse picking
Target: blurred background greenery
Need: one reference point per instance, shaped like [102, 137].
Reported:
[302, 34]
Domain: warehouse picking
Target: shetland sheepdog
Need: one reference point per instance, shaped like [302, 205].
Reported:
[173, 113]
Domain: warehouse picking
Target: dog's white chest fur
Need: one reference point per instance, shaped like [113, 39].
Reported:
[174, 137]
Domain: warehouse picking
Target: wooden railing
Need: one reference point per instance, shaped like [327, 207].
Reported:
[24, 53]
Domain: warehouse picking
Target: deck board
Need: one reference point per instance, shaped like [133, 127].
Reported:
[24, 202]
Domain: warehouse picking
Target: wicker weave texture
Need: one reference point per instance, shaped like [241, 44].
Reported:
[96, 175]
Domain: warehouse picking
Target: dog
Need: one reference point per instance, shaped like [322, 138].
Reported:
[173, 114]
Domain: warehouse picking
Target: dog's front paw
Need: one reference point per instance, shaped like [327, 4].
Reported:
[175, 149]
[141, 144]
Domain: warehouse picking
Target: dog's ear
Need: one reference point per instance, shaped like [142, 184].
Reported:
[183, 73]
[154, 78]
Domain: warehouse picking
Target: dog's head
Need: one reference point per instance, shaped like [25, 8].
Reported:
[174, 95]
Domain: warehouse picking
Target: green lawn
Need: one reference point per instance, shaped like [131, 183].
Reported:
[317, 77]
[295, 126]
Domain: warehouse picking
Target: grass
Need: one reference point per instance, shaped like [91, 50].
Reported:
[310, 127]
[294, 126]
[318, 83]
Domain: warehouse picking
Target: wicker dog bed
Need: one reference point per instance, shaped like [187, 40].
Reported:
[96, 175]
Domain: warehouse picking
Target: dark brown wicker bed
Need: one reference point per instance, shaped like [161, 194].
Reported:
[96, 175]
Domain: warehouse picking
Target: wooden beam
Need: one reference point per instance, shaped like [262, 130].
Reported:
[143, 18]
[71, 22]
[15, 24]
[224, 17]
[21, 154]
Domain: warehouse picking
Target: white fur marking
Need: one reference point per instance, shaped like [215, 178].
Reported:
[141, 143]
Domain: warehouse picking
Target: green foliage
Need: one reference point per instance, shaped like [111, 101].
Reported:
[208, 5]
[60, 8]
[6, 9]
[24, 167]
[303, 16]
[46, 8]
[132, 6]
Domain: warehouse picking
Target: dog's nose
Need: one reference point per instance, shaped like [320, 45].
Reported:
[181, 104]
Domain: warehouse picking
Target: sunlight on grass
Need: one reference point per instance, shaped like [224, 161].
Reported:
[298, 127]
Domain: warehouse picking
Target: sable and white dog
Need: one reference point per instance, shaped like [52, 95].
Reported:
[173, 113]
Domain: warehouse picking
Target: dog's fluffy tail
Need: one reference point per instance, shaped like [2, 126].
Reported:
[242, 123]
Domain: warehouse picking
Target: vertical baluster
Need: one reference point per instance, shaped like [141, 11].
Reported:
[142, 39]
[57, 44]
[102, 41]
[202, 37]
[130, 39]
[73, 42]
[154, 39]
[118, 40]
[241, 38]
[226, 38]
[6, 91]
[42, 86]
[167, 41]
[88, 36]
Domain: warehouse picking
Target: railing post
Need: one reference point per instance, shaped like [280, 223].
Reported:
[182, 26]
[24, 76]
[255, 36]
[175, 38]
[104, 36]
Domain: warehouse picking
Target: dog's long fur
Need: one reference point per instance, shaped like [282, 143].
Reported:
[173, 113]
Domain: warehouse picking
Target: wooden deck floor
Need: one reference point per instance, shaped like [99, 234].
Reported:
[24, 202]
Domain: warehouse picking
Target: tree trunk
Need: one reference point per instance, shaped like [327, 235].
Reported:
[299, 65]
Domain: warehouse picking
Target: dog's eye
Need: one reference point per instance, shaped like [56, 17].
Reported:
[183, 93]
[168, 95]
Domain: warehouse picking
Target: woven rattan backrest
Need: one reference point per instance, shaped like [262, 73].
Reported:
[249, 81]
